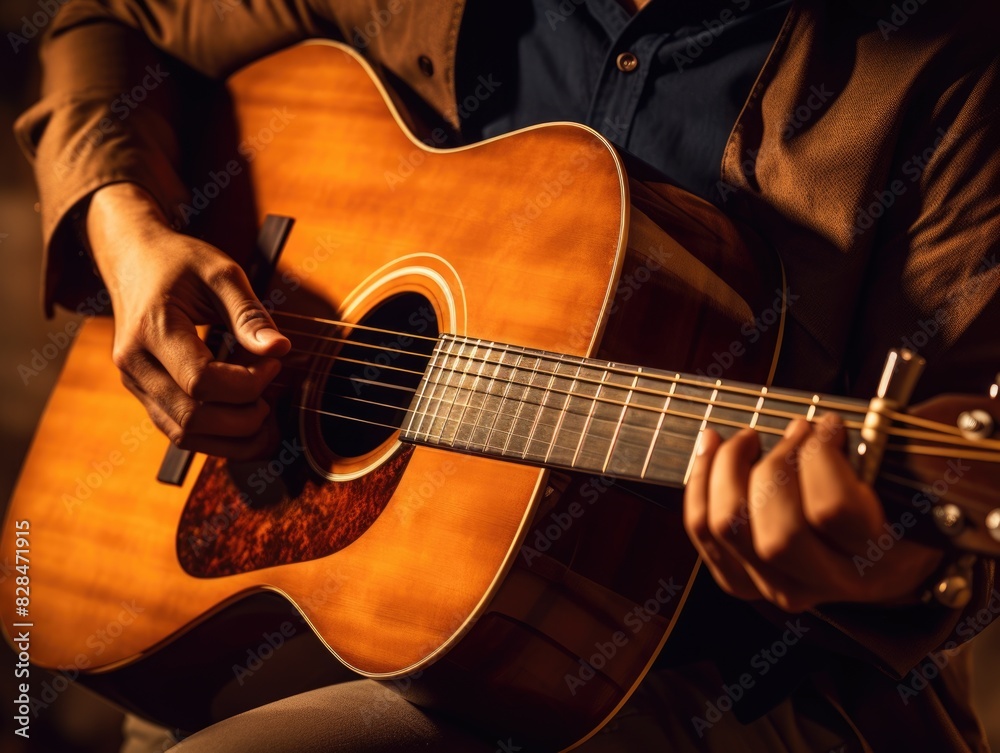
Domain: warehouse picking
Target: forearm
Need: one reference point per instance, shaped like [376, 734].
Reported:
[114, 77]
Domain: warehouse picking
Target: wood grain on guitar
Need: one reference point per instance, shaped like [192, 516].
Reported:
[472, 584]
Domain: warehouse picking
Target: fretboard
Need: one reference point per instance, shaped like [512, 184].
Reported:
[624, 421]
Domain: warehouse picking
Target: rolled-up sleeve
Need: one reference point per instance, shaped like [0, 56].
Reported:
[112, 92]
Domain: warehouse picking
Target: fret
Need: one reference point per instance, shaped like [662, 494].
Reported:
[701, 428]
[678, 433]
[758, 405]
[733, 407]
[466, 420]
[430, 404]
[599, 430]
[773, 404]
[601, 417]
[548, 418]
[618, 426]
[454, 399]
[510, 401]
[530, 398]
[659, 425]
[416, 414]
[490, 403]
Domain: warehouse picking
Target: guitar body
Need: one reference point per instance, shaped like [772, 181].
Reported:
[523, 604]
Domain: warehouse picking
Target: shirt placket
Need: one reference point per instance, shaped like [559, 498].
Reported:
[628, 63]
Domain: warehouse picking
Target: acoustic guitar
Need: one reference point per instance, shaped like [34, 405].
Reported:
[476, 497]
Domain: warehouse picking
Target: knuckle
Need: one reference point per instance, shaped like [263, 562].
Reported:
[697, 530]
[728, 453]
[250, 311]
[725, 585]
[127, 381]
[195, 381]
[774, 550]
[224, 273]
[178, 438]
[829, 515]
[123, 356]
[765, 470]
[723, 527]
[696, 524]
[183, 417]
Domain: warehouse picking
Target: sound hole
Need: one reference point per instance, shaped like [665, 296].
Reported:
[373, 379]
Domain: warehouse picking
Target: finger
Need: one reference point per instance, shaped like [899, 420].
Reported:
[243, 448]
[837, 505]
[173, 341]
[728, 513]
[798, 569]
[724, 567]
[154, 385]
[249, 321]
[777, 520]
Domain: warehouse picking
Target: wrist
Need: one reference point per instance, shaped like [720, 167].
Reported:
[121, 218]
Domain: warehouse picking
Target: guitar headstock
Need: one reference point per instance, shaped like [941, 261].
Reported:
[942, 460]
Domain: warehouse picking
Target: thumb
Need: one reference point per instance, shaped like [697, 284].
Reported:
[248, 319]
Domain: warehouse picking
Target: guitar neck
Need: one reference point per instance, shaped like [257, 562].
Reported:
[622, 421]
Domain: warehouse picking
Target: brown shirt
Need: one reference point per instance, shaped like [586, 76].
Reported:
[866, 154]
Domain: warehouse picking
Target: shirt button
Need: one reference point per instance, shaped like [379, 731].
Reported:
[627, 62]
[426, 65]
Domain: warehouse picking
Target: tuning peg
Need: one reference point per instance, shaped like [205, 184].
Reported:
[993, 523]
[995, 387]
[949, 518]
[975, 424]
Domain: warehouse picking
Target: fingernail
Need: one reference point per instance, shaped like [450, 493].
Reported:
[796, 427]
[267, 336]
[832, 419]
[700, 449]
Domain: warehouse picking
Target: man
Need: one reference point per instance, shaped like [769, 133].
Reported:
[859, 139]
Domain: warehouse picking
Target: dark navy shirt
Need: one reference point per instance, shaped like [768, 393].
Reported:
[666, 84]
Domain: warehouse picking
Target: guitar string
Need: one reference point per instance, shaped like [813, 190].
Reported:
[569, 394]
[678, 397]
[517, 350]
[528, 439]
[986, 455]
[823, 403]
[584, 396]
[886, 462]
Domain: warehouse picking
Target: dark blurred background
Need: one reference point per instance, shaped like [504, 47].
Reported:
[78, 720]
